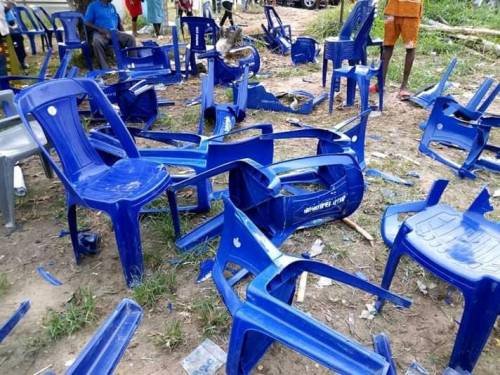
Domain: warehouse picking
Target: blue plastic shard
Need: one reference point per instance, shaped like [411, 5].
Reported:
[105, 349]
[9, 325]
[205, 270]
[382, 346]
[47, 276]
[372, 172]
[428, 96]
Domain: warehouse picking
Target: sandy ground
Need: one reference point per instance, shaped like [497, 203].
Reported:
[424, 333]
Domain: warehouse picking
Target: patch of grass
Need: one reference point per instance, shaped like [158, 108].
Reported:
[4, 284]
[327, 23]
[36, 343]
[149, 292]
[171, 337]
[211, 314]
[190, 116]
[78, 312]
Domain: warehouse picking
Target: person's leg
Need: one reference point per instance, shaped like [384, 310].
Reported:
[134, 26]
[99, 44]
[229, 7]
[409, 33]
[157, 27]
[126, 40]
[18, 42]
[226, 14]
[386, 58]
[391, 34]
[410, 57]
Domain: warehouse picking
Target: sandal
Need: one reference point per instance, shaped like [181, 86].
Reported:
[404, 95]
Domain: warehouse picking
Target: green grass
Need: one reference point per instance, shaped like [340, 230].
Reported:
[78, 312]
[171, 337]
[149, 292]
[327, 23]
[212, 315]
[461, 13]
[4, 284]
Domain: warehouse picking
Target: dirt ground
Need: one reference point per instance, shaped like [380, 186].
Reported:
[425, 332]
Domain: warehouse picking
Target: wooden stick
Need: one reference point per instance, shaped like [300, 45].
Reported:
[438, 26]
[301, 293]
[359, 229]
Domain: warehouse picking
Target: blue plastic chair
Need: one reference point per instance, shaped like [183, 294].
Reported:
[277, 36]
[353, 40]
[461, 248]
[259, 98]
[29, 26]
[360, 76]
[151, 62]
[199, 28]
[470, 136]
[69, 38]
[45, 21]
[266, 315]
[185, 150]
[305, 50]
[337, 180]
[119, 190]
[103, 352]
[207, 13]
[224, 115]
[226, 74]
[7, 326]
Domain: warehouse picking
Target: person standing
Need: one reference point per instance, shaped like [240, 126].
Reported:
[101, 17]
[402, 18]
[15, 34]
[155, 14]
[134, 8]
[227, 5]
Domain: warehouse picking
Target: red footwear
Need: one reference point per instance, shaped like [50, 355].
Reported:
[374, 89]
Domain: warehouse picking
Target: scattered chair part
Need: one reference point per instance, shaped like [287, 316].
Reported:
[103, 352]
[15, 145]
[192, 151]
[277, 36]
[470, 136]
[45, 21]
[199, 28]
[47, 276]
[461, 248]
[69, 37]
[226, 74]
[151, 61]
[372, 172]
[119, 190]
[335, 190]
[428, 96]
[353, 40]
[382, 346]
[266, 314]
[360, 76]
[225, 115]
[301, 101]
[355, 129]
[305, 50]
[9, 324]
[24, 14]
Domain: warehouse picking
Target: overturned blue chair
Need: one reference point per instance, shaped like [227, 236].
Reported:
[334, 189]
[277, 36]
[353, 40]
[266, 315]
[151, 62]
[199, 29]
[461, 248]
[304, 50]
[103, 352]
[470, 136]
[69, 37]
[225, 115]
[119, 190]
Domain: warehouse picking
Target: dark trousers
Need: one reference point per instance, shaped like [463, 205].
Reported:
[228, 13]
[18, 42]
[100, 43]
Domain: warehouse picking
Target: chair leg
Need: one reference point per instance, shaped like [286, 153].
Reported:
[46, 166]
[390, 270]
[73, 231]
[480, 314]
[7, 199]
[128, 240]
[87, 56]
[324, 71]
[33, 44]
[331, 97]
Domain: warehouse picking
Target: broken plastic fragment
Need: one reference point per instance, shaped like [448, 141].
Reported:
[206, 359]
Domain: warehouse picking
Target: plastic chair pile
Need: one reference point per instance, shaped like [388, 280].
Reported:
[469, 130]
[28, 25]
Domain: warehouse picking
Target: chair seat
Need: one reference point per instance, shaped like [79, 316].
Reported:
[126, 179]
[15, 140]
[465, 246]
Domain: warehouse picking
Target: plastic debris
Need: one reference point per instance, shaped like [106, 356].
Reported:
[301, 292]
[323, 281]
[414, 174]
[379, 155]
[422, 287]
[371, 172]
[361, 275]
[206, 359]
[7, 326]
[316, 249]
[369, 313]
[19, 184]
[205, 270]
[408, 159]
[416, 369]
[496, 193]
[47, 276]
[451, 371]
[388, 194]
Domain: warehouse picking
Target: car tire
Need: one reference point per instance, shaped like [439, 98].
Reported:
[309, 4]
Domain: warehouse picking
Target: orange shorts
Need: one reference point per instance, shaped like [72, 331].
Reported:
[407, 27]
